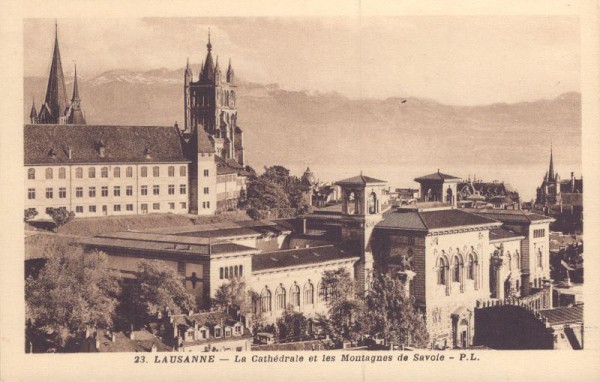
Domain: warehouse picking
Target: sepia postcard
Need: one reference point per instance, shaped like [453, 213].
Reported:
[299, 191]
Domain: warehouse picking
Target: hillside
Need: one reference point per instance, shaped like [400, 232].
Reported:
[299, 128]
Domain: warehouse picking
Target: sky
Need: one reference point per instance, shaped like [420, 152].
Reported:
[461, 60]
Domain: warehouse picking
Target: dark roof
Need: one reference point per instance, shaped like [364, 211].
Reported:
[298, 257]
[221, 233]
[304, 345]
[434, 219]
[223, 167]
[437, 176]
[359, 180]
[204, 143]
[510, 216]
[563, 315]
[128, 144]
[502, 234]
[571, 199]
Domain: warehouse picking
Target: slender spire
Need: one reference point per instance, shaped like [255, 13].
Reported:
[208, 70]
[75, 98]
[33, 113]
[551, 169]
[230, 73]
[56, 94]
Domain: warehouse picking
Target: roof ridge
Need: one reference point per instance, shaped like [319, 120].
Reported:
[296, 249]
[422, 220]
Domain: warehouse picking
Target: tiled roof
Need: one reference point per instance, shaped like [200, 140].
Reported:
[437, 176]
[223, 167]
[503, 234]
[429, 220]
[298, 257]
[129, 144]
[512, 216]
[571, 199]
[359, 180]
[564, 314]
[204, 143]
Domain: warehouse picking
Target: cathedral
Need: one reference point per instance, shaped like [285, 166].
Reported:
[55, 109]
[561, 199]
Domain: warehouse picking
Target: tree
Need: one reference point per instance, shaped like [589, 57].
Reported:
[275, 193]
[61, 216]
[30, 213]
[156, 287]
[391, 314]
[344, 306]
[74, 292]
[292, 326]
[232, 293]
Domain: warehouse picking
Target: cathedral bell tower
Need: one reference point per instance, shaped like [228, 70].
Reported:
[361, 210]
[210, 104]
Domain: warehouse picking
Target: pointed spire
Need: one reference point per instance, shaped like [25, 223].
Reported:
[75, 98]
[551, 169]
[56, 94]
[208, 70]
[33, 113]
[188, 75]
[230, 73]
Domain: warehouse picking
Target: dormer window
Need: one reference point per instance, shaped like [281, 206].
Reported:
[147, 153]
[204, 333]
[102, 149]
[52, 153]
[217, 332]
[227, 332]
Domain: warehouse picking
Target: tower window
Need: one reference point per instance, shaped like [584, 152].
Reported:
[31, 173]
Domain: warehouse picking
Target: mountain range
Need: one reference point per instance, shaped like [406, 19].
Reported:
[299, 128]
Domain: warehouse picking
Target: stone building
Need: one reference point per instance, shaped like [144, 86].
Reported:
[99, 170]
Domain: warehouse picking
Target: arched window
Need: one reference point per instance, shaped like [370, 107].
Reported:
[31, 173]
[129, 172]
[104, 172]
[509, 260]
[441, 271]
[309, 293]
[155, 171]
[456, 269]
[92, 172]
[372, 203]
[280, 298]
[295, 295]
[78, 173]
[226, 272]
[517, 260]
[49, 173]
[144, 171]
[351, 204]
[182, 171]
[540, 258]
[265, 300]
[62, 173]
[471, 267]
[323, 293]
[117, 172]
[171, 171]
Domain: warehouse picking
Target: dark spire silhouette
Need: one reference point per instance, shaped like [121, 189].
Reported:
[33, 113]
[75, 114]
[230, 73]
[551, 170]
[208, 70]
[55, 102]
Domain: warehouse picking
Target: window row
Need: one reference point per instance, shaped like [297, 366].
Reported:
[454, 272]
[104, 191]
[539, 233]
[266, 303]
[104, 172]
[231, 272]
[127, 207]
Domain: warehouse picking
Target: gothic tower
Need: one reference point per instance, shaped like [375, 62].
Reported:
[210, 104]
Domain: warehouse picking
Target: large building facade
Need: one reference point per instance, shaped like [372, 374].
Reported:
[98, 170]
